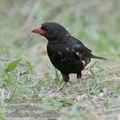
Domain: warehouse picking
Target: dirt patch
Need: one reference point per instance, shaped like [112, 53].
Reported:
[113, 72]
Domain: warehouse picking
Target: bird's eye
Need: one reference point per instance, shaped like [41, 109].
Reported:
[44, 28]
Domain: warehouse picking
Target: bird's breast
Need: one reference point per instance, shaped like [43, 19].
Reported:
[57, 53]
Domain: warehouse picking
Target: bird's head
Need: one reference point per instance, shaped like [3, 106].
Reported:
[51, 30]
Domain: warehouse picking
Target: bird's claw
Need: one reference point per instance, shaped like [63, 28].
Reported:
[61, 87]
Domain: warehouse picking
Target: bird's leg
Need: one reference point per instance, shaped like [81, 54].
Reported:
[66, 79]
[80, 82]
[79, 76]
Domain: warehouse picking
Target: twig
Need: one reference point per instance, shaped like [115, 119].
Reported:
[109, 111]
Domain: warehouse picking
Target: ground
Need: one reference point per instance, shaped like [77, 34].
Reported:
[28, 81]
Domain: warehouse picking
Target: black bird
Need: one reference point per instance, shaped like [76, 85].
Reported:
[66, 53]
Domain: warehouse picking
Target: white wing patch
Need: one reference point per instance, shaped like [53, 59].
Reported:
[59, 53]
[77, 53]
[63, 59]
[83, 62]
[67, 48]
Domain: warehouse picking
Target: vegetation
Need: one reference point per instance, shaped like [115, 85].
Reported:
[27, 76]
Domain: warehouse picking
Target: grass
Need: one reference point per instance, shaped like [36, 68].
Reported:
[27, 76]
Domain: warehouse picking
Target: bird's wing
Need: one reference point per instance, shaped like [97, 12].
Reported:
[81, 52]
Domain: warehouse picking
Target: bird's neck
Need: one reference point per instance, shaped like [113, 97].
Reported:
[60, 38]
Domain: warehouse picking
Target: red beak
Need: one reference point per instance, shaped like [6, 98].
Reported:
[38, 30]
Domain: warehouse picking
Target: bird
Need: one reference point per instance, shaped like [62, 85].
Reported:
[68, 54]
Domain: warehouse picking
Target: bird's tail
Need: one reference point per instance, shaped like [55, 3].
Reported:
[97, 57]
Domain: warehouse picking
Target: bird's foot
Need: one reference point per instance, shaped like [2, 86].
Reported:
[80, 79]
[61, 87]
